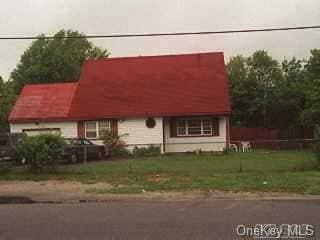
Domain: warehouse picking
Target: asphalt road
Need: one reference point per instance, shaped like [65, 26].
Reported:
[197, 219]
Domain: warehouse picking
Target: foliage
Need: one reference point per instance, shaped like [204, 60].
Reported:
[253, 83]
[316, 148]
[114, 144]
[41, 152]
[55, 60]
[146, 151]
[120, 152]
[266, 93]
[311, 114]
[7, 98]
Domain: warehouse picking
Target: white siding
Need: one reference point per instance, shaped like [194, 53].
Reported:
[135, 132]
[68, 129]
[185, 144]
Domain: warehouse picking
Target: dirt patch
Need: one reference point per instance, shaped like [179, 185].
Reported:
[157, 178]
[15, 200]
[49, 190]
[75, 192]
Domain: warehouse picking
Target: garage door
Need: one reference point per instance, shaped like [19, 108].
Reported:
[34, 132]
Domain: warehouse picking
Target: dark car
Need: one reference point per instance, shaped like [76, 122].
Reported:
[8, 145]
[77, 149]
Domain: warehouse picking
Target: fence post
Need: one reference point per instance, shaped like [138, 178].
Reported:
[300, 146]
[85, 154]
[135, 151]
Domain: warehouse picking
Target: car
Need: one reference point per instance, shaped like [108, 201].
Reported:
[77, 149]
[8, 145]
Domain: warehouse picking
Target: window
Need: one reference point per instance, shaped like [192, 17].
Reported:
[95, 129]
[181, 127]
[195, 127]
[86, 142]
[91, 129]
[103, 126]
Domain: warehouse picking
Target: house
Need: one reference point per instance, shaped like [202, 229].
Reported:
[178, 102]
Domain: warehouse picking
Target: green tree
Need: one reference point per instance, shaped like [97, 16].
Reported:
[7, 98]
[264, 73]
[237, 70]
[311, 114]
[288, 96]
[253, 82]
[55, 60]
[41, 152]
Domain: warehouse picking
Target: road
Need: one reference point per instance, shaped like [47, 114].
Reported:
[128, 219]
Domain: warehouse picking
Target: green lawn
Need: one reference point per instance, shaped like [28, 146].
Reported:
[286, 171]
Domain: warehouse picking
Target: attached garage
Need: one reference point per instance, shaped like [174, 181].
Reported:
[34, 132]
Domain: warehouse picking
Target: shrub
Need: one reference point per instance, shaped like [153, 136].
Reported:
[316, 150]
[120, 152]
[316, 147]
[41, 152]
[146, 151]
[114, 144]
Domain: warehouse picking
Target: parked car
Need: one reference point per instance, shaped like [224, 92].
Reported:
[8, 145]
[77, 148]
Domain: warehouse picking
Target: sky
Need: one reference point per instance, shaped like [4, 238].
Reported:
[33, 17]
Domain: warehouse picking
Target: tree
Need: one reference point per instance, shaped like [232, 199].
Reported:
[55, 60]
[289, 95]
[7, 98]
[311, 114]
[237, 70]
[253, 81]
[264, 74]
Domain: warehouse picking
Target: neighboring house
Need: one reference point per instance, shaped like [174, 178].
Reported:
[179, 102]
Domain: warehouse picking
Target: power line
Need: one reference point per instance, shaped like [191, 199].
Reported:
[168, 34]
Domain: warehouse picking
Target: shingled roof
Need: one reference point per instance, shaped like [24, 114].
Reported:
[168, 85]
[43, 102]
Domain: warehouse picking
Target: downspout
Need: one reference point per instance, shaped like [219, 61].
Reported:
[163, 136]
[228, 131]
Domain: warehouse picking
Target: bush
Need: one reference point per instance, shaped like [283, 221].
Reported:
[146, 151]
[120, 152]
[41, 152]
[316, 150]
[114, 144]
[316, 147]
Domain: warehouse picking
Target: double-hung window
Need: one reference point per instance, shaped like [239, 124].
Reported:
[95, 129]
[195, 127]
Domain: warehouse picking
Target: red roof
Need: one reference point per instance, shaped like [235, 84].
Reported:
[43, 102]
[170, 85]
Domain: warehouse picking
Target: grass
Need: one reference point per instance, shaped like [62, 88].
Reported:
[287, 171]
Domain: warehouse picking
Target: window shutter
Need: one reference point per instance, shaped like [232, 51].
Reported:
[81, 130]
[215, 126]
[114, 126]
[173, 127]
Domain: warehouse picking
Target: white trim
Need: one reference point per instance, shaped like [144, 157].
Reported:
[187, 127]
[97, 128]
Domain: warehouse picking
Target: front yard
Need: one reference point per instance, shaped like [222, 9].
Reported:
[286, 171]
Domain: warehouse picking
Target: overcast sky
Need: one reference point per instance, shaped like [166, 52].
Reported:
[32, 17]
